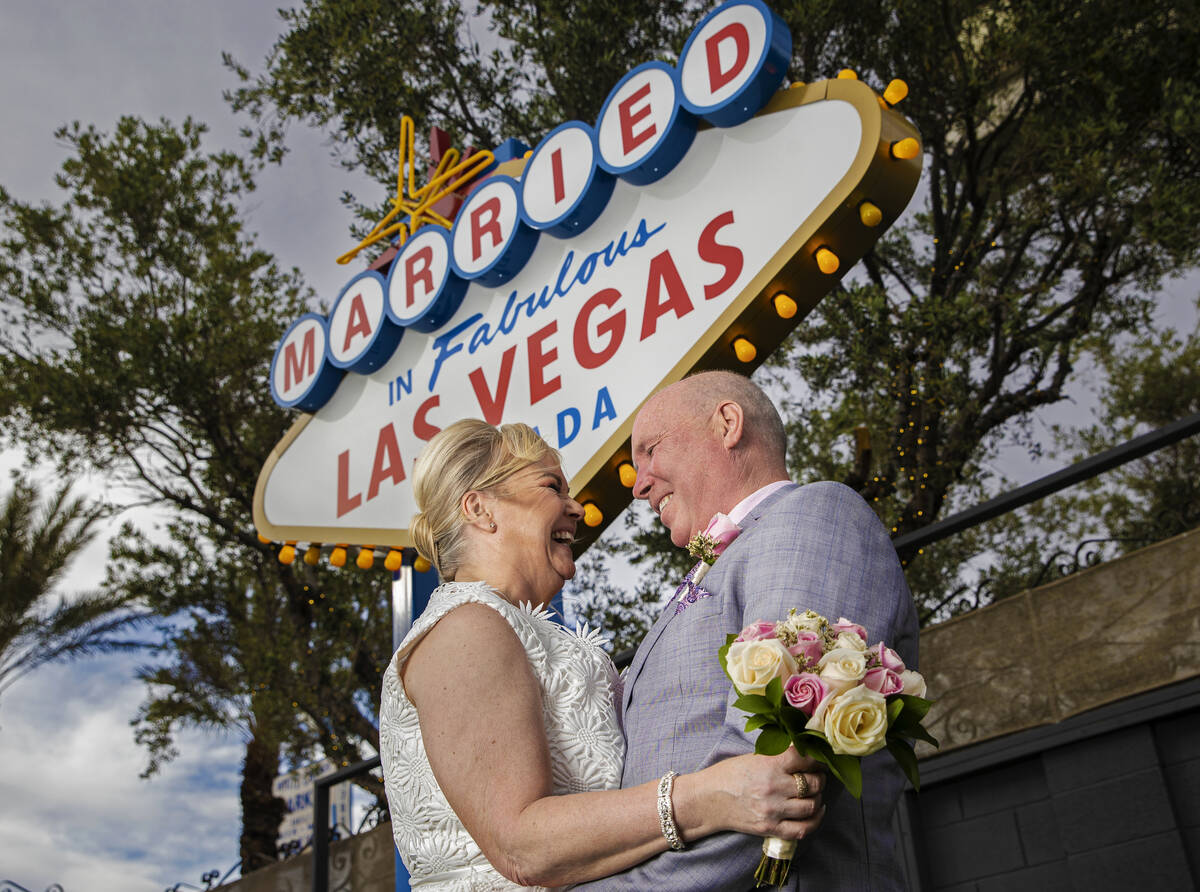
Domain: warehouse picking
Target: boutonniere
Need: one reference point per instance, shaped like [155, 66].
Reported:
[708, 545]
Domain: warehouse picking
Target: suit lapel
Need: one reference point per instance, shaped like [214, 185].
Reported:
[660, 625]
[656, 630]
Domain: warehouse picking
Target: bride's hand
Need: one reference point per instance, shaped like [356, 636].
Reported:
[759, 795]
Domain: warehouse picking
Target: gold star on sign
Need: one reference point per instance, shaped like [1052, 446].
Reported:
[417, 208]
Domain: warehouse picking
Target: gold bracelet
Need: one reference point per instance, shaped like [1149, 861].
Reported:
[666, 818]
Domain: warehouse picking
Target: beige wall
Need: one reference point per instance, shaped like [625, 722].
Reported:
[1099, 635]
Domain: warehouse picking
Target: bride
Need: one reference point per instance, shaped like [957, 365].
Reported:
[499, 730]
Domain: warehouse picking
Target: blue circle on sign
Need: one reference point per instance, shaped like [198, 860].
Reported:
[327, 376]
[447, 294]
[670, 146]
[590, 202]
[380, 345]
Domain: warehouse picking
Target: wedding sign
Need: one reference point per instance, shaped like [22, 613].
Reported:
[691, 227]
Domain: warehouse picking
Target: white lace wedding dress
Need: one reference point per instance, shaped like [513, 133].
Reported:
[581, 694]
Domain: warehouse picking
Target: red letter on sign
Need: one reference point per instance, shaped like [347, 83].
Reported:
[424, 256]
[345, 502]
[613, 326]
[663, 272]
[724, 255]
[422, 429]
[358, 324]
[388, 465]
[628, 118]
[493, 407]
[491, 207]
[539, 387]
[556, 168]
[737, 33]
[293, 365]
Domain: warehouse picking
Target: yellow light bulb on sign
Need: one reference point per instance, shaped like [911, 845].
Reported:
[287, 554]
[394, 560]
[337, 557]
[422, 565]
[870, 214]
[906, 149]
[744, 350]
[366, 557]
[627, 473]
[312, 555]
[592, 516]
[827, 261]
[785, 307]
[847, 74]
[895, 91]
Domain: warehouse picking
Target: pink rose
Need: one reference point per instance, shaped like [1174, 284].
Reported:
[882, 655]
[807, 647]
[722, 531]
[844, 625]
[757, 632]
[883, 681]
[805, 692]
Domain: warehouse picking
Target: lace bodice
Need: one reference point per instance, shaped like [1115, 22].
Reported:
[581, 694]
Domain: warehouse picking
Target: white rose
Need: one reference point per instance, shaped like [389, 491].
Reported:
[855, 723]
[752, 664]
[914, 683]
[842, 668]
[850, 640]
[807, 621]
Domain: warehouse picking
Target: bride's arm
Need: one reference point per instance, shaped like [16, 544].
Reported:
[481, 721]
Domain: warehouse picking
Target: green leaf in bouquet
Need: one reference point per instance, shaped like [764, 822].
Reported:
[754, 703]
[758, 721]
[723, 658]
[848, 770]
[916, 732]
[775, 692]
[730, 637]
[795, 720]
[915, 707]
[906, 759]
[895, 707]
[772, 741]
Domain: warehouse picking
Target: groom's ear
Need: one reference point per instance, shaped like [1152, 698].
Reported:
[730, 423]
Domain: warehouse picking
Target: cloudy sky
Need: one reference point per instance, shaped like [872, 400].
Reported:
[72, 808]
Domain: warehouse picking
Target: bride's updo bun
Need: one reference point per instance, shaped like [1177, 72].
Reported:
[468, 455]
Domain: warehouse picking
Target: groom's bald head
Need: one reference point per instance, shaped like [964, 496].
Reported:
[702, 445]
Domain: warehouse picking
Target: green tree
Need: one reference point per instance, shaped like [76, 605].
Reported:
[39, 539]
[1061, 188]
[140, 320]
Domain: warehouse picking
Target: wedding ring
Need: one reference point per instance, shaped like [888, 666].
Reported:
[801, 785]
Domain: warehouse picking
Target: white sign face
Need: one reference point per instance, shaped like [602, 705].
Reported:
[485, 226]
[296, 789]
[592, 325]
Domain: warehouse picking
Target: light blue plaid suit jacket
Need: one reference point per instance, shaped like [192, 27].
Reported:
[816, 547]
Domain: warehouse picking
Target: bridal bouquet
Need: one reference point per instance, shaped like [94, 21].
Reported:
[822, 688]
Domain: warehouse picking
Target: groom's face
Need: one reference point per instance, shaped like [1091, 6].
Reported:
[681, 468]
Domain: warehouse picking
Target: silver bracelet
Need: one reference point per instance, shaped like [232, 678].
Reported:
[666, 818]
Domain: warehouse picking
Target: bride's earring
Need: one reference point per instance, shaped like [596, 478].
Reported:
[492, 526]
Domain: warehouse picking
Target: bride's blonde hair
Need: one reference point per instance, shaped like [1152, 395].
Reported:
[468, 455]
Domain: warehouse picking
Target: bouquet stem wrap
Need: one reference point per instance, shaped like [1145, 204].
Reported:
[776, 861]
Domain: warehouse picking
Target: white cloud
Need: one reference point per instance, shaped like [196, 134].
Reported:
[77, 813]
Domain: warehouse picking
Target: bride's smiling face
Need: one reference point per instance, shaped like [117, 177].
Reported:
[535, 520]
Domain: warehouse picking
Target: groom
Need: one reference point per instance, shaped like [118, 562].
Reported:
[715, 443]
